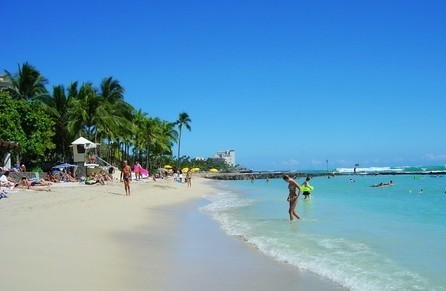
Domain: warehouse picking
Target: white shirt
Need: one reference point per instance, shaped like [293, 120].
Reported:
[4, 179]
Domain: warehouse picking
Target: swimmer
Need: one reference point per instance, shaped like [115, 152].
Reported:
[307, 186]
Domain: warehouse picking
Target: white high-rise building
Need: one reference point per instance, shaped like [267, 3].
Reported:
[228, 156]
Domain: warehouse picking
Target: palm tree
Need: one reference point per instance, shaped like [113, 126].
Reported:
[118, 114]
[28, 83]
[183, 120]
[141, 129]
[58, 107]
[97, 116]
[160, 137]
[111, 90]
[83, 108]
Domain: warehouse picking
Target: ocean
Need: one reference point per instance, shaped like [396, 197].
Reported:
[362, 237]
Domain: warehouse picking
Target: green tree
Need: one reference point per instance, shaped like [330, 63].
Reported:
[100, 115]
[58, 107]
[28, 124]
[183, 120]
[28, 83]
[141, 130]
[83, 108]
[11, 119]
[111, 90]
[160, 135]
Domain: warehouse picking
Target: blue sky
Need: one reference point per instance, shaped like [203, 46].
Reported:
[286, 84]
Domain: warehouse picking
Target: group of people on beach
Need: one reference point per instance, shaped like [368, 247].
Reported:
[126, 175]
[7, 182]
[294, 191]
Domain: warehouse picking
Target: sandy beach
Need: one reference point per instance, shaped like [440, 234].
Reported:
[80, 237]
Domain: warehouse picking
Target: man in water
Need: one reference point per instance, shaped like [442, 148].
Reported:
[292, 196]
[126, 176]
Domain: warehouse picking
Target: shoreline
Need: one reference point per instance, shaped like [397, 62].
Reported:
[94, 238]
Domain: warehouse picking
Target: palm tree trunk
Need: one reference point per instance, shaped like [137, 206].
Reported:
[179, 150]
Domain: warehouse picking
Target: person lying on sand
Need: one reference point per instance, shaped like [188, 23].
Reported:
[41, 182]
[25, 184]
[6, 181]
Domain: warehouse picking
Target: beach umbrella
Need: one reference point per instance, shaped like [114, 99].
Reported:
[213, 170]
[64, 165]
[184, 170]
[195, 169]
[167, 167]
[61, 167]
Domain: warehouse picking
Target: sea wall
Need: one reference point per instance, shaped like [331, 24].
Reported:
[260, 175]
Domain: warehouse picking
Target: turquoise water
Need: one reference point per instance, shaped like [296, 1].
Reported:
[362, 237]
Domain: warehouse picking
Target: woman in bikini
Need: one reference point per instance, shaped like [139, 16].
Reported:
[292, 196]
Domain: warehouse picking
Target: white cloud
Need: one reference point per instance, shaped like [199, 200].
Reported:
[433, 157]
[291, 162]
[318, 162]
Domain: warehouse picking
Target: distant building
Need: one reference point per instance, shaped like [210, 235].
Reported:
[5, 83]
[200, 159]
[226, 156]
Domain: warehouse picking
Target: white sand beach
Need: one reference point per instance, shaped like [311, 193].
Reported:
[80, 237]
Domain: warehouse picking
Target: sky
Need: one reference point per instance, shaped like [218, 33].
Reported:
[288, 85]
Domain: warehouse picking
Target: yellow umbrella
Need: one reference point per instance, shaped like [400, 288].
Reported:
[167, 167]
[184, 170]
[213, 170]
[195, 169]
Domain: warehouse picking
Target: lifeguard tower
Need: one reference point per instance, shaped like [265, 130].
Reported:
[84, 155]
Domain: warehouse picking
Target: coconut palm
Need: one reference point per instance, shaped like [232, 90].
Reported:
[117, 114]
[58, 107]
[140, 132]
[183, 120]
[161, 137]
[111, 90]
[83, 111]
[96, 116]
[27, 84]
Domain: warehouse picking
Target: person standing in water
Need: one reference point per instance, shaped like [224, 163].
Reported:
[126, 176]
[307, 188]
[292, 196]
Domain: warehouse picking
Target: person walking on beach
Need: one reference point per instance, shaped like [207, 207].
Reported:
[292, 196]
[189, 178]
[126, 176]
[137, 170]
